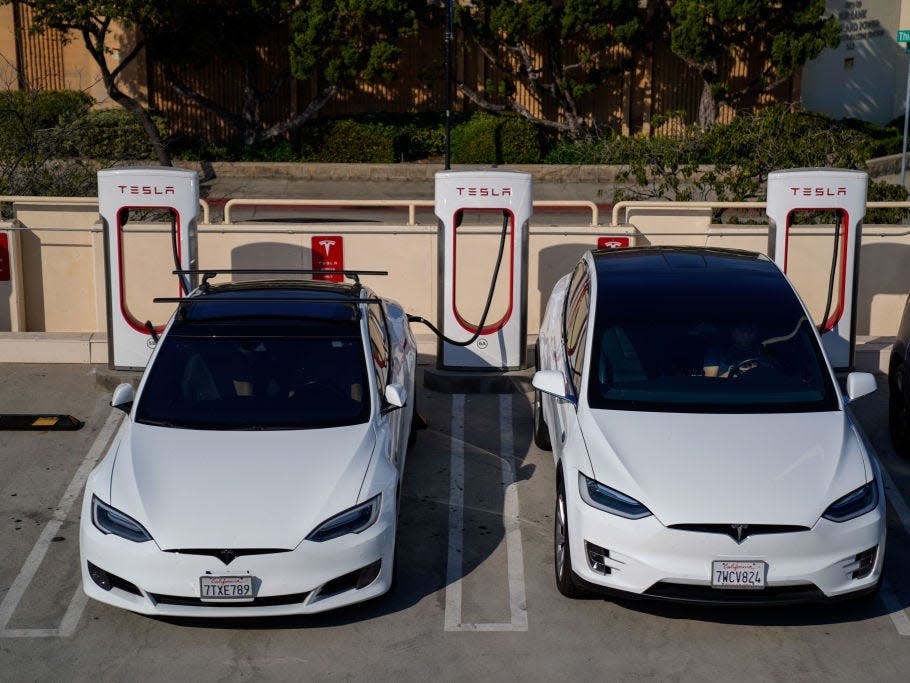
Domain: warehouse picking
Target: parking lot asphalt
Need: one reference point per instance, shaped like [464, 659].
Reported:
[475, 597]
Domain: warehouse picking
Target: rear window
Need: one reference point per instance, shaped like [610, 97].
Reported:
[707, 342]
[257, 376]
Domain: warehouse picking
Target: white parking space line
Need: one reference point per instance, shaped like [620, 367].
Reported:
[20, 584]
[456, 516]
[511, 523]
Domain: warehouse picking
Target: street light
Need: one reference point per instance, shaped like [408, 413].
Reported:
[450, 34]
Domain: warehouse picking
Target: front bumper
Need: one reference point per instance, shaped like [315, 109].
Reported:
[648, 559]
[313, 577]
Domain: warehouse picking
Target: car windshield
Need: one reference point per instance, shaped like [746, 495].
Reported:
[253, 376]
[706, 345]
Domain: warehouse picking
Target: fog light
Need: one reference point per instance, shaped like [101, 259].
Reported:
[99, 576]
[866, 561]
[597, 558]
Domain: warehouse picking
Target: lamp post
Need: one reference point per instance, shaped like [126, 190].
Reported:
[450, 34]
[903, 36]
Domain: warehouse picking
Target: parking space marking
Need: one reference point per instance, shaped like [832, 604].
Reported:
[456, 516]
[511, 522]
[36, 556]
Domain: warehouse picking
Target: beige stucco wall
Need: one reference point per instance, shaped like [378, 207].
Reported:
[63, 283]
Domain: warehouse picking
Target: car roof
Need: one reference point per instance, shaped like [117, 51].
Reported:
[679, 259]
[646, 276]
[310, 300]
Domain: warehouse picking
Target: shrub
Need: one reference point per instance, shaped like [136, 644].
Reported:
[886, 192]
[490, 139]
[109, 134]
[349, 141]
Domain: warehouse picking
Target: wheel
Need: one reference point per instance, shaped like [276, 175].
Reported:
[541, 432]
[565, 576]
[899, 411]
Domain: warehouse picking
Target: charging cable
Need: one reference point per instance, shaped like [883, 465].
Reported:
[486, 308]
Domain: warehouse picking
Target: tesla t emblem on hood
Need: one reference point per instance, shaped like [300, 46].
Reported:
[739, 532]
[226, 556]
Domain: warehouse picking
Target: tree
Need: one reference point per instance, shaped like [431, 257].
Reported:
[781, 34]
[335, 42]
[93, 20]
[339, 42]
[556, 50]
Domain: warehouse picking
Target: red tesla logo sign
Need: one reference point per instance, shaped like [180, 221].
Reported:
[819, 191]
[615, 242]
[328, 254]
[4, 257]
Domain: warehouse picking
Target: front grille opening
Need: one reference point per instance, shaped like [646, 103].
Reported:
[106, 581]
[269, 601]
[597, 558]
[357, 579]
[771, 595]
[866, 560]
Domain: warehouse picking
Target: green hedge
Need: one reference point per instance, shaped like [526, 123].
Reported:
[350, 141]
[490, 139]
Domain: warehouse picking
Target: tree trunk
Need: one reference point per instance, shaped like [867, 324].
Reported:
[707, 107]
[140, 113]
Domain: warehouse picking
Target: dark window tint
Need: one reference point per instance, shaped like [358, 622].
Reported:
[578, 305]
[245, 378]
[379, 346]
[706, 341]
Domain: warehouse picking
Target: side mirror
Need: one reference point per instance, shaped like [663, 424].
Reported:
[396, 395]
[860, 384]
[123, 396]
[551, 382]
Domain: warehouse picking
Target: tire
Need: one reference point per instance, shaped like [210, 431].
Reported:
[899, 411]
[541, 431]
[562, 556]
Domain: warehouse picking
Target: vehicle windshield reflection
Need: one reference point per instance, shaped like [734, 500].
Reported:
[232, 376]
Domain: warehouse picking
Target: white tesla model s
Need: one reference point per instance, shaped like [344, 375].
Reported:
[259, 470]
[702, 449]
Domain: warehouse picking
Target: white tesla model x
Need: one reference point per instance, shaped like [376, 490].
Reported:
[259, 470]
[702, 449]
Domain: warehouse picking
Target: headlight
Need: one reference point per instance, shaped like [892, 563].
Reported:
[856, 503]
[109, 520]
[610, 500]
[353, 521]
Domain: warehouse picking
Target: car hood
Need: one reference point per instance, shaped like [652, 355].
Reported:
[727, 469]
[250, 489]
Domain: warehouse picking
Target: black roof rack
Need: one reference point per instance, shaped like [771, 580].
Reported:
[209, 273]
[265, 300]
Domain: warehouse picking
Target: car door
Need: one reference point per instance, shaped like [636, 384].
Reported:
[574, 342]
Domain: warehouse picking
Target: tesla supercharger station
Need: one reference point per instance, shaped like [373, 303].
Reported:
[843, 194]
[497, 196]
[121, 190]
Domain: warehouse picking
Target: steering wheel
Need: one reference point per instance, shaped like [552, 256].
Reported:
[740, 368]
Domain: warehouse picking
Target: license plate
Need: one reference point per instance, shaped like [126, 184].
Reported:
[737, 574]
[226, 588]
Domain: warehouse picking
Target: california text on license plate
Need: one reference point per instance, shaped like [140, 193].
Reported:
[738, 574]
[225, 588]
